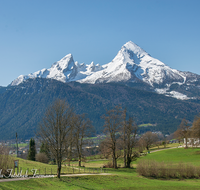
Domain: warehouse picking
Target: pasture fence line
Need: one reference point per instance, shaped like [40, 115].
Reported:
[10, 173]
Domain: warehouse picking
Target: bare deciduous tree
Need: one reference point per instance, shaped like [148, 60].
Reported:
[124, 136]
[140, 145]
[120, 136]
[196, 127]
[129, 131]
[71, 138]
[112, 126]
[130, 141]
[185, 130]
[54, 129]
[178, 135]
[105, 149]
[82, 129]
[148, 139]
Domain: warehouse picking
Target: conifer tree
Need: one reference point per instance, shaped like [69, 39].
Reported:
[32, 150]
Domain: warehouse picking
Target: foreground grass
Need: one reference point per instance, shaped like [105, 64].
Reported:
[121, 179]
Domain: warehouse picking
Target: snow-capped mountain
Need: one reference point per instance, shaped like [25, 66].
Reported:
[133, 62]
[65, 70]
[131, 65]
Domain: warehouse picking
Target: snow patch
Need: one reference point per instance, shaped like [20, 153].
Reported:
[178, 95]
[173, 94]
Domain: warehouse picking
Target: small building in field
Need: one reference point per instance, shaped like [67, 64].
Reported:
[192, 141]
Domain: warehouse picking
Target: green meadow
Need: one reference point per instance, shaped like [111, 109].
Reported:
[176, 155]
[121, 178]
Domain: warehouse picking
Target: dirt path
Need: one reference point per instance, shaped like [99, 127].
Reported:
[72, 175]
[162, 149]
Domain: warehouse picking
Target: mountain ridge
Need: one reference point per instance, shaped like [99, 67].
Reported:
[132, 64]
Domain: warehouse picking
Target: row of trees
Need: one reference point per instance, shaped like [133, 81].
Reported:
[120, 131]
[121, 139]
[62, 130]
[185, 130]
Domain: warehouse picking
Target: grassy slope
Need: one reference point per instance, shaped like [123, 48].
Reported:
[28, 164]
[176, 155]
[49, 169]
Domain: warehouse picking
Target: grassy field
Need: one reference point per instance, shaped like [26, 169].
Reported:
[145, 125]
[121, 178]
[190, 155]
[98, 162]
[20, 145]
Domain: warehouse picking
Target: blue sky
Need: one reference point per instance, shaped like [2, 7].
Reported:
[36, 33]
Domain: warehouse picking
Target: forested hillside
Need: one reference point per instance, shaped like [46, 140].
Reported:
[22, 106]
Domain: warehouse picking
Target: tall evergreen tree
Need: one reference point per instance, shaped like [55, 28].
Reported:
[32, 150]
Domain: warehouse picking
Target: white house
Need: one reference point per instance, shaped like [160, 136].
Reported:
[192, 141]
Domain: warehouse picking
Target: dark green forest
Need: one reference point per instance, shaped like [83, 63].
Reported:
[22, 107]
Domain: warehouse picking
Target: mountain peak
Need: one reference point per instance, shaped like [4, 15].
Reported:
[130, 46]
[130, 43]
[64, 62]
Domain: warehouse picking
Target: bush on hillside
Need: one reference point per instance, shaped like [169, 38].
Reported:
[151, 168]
[41, 157]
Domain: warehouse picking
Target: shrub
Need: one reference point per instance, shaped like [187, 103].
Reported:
[151, 168]
[6, 162]
[108, 165]
[142, 167]
[41, 157]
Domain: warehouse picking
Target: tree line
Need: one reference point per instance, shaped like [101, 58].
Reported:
[120, 131]
[64, 133]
